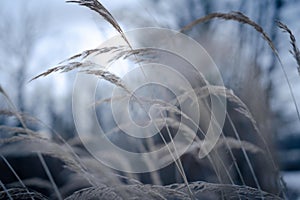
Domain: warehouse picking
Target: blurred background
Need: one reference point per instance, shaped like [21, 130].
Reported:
[36, 35]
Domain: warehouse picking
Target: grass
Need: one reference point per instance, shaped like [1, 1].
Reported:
[232, 170]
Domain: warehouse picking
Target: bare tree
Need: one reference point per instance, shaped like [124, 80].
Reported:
[20, 29]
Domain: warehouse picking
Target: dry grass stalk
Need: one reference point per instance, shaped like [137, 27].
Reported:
[137, 54]
[128, 192]
[239, 144]
[241, 18]
[5, 192]
[15, 174]
[26, 117]
[72, 64]
[35, 182]
[206, 91]
[295, 52]
[13, 107]
[108, 76]
[236, 16]
[203, 189]
[63, 68]
[91, 52]
[30, 144]
[3, 92]
[99, 71]
[101, 10]
[45, 166]
[242, 108]
[20, 193]
[17, 130]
